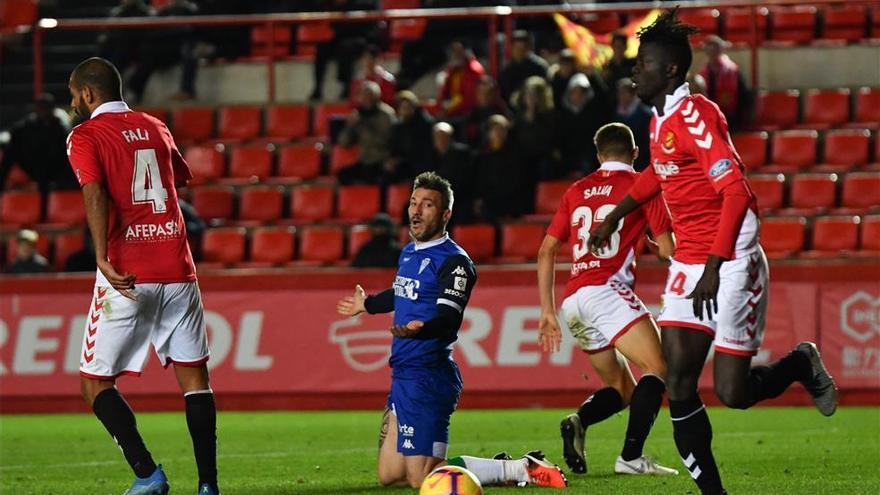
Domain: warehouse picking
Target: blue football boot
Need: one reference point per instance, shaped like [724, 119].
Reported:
[205, 489]
[156, 484]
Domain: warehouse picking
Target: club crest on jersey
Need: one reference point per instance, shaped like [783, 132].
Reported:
[668, 144]
[425, 263]
[720, 168]
[664, 170]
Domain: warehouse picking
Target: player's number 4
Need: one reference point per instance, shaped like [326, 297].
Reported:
[584, 217]
[146, 182]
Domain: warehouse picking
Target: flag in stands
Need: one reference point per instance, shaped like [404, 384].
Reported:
[595, 49]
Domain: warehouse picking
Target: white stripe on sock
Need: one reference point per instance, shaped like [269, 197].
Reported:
[691, 414]
[194, 392]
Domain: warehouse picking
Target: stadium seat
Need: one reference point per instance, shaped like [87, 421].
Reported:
[738, 25]
[213, 202]
[777, 109]
[251, 163]
[401, 4]
[796, 24]
[407, 29]
[260, 41]
[239, 123]
[12, 244]
[223, 246]
[66, 243]
[478, 240]
[706, 20]
[207, 163]
[752, 148]
[397, 199]
[321, 244]
[793, 151]
[341, 157]
[845, 149]
[844, 22]
[871, 234]
[299, 161]
[19, 208]
[769, 189]
[548, 196]
[17, 178]
[357, 203]
[783, 237]
[65, 207]
[287, 122]
[824, 108]
[193, 124]
[861, 190]
[271, 246]
[261, 203]
[310, 203]
[312, 33]
[867, 107]
[812, 193]
[158, 112]
[520, 241]
[358, 235]
[834, 236]
[323, 113]
[874, 22]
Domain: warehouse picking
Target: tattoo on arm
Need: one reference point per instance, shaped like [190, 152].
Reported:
[383, 431]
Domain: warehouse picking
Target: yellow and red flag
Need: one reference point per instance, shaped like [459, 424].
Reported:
[595, 49]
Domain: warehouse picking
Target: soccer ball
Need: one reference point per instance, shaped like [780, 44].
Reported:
[451, 480]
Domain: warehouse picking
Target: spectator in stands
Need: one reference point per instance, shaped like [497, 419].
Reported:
[348, 43]
[637, 116]
[84, 259]
[472, 129]
[725, 84]
[501, 178]
[585, 108]
[27, 259]
[534, 127]
[125, 47]
[369, 127]
[458, 92]
[560, 73]
[620, 65]
[382, 250]
[37, 143]
[195, 227]
[373, 71]
[524, 63]
[411, 143]
[453, 161]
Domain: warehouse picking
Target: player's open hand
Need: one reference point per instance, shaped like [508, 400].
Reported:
[124, 284]
[352, 305]
[600, 236]
[408, 330]
[549, 334]
[705, 293]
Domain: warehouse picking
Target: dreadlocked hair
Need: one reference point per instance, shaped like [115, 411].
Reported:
[669, 32]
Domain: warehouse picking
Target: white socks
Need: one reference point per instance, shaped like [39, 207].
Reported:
[495, 471]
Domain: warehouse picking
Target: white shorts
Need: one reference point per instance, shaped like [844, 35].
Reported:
[119, 331]
[597, 315]
[738, 327]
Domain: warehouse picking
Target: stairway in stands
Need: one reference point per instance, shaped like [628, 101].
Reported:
[62, 50]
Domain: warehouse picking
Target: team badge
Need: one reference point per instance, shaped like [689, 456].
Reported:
[425, 263]
[669, 142]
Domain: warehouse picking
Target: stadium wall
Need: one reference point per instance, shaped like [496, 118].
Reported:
[277, 342]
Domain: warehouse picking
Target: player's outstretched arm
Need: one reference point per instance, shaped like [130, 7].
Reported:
[549, 334]
[352, 305]
[95, 199]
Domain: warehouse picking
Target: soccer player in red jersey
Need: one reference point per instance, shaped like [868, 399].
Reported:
[128, 165]
[716, 292]
[601, 310]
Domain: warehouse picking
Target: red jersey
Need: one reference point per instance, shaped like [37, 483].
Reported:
[584, 206]
[694, 164]
[133, 156]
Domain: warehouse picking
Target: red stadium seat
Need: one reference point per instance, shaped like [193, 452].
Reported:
[397, 199]
[320, 244]
[874, 22]
[300, 161]
[239, 123]
[17, 178]
[769, 189]
[783, 237]
[777, 109]
[158, 112]
[271, 245]
[358, 235]
[871, 233]
[207, 163]
[213, 202]
[407, 29]
[845, 149]
[796, 24]
[341, 158]
[261, 203]
[66, 243]
[813, 192]
[793, 150]
[12, 245]
[834, 236]
[65, 207]
[825, 108]
[549, 195]
[867, 109]
[752, 148]
[323, 113]
[193, 124]
[252, 163]
[477, 240]
[287, 122]
[861, 190]
[844, 22]
[314, 32]
[20, 207]
[357, 203]
[310, 203]
[521, 241]
[401, 4]
[706, 20]
[224, 246]
[260, 41]
[738, 25]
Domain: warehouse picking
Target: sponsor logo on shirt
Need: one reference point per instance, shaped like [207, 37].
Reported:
[406, 288]
[597, 191]
[153, 231]
[460, 283]
[459, 271]
[407, 444]
[406, 430]
[584, 266]
[664, 170]
[452, 292]
[720, 168]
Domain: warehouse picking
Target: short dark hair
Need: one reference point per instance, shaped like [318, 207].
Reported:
[434, 182]
[614, 139]
[101, 75]
[669, 32]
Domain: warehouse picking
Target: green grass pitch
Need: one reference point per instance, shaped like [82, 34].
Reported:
[763, 451]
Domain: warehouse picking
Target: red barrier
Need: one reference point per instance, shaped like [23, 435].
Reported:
[277, 341]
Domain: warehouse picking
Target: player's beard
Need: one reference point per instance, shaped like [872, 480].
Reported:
[430, 229]
[81, 112]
